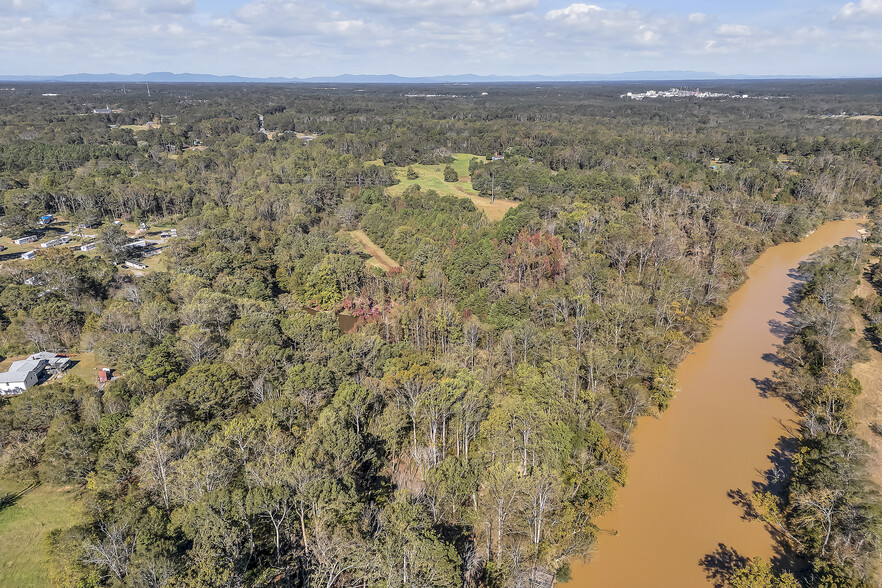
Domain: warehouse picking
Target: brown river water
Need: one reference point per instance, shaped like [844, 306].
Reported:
[720, 435]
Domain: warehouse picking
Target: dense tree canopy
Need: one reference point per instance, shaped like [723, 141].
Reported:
[474, 422]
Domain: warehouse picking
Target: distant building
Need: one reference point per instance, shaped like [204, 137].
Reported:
[46, 219]
[105, 110]
[135, 264]
[87, 247]
[29, 254]
[25, 239]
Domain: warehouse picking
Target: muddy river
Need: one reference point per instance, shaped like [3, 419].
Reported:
[678, 519]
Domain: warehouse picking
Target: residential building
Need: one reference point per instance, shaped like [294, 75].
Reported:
[22, 375]
[56, 242]
[54, 362]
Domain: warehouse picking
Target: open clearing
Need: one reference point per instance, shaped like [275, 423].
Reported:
[23, 529]
[868, 406]
[378, 256]
[144, 127]
[84, 367]
[432, 178]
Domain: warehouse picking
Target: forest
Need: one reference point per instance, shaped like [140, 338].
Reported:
[287, 414]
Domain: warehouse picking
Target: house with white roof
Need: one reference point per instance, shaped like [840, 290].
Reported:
[22, 375]
[25, 373]
[54, 362]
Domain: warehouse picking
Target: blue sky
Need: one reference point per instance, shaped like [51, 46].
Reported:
[300, 38]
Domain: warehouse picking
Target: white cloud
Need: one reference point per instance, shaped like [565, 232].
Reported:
[575, 13]
[461, 8]
[594, 27]
[19, 6]
[863, 9]
[734, 30]
[146, 6]
[423, 37]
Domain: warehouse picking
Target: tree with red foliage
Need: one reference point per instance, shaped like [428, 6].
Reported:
[534, 259]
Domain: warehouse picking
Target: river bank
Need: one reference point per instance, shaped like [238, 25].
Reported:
[680, 520]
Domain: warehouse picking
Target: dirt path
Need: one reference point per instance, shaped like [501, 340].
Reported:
[378, 256]
[868, 406]
[495, 211]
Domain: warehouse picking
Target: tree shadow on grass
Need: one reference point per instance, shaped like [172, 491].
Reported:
[11, 498]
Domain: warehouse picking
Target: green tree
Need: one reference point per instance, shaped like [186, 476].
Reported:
[112, 241]
[758, 574]
[450, 174]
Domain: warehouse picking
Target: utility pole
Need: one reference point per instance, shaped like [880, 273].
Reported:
[492, 184]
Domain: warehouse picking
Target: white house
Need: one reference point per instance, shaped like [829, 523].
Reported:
[29, 254]
[135, 264]
[26, 239]
[56, 242]
[87, 247]
[22, 375]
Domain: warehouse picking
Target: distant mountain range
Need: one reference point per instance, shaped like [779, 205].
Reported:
[163, 76]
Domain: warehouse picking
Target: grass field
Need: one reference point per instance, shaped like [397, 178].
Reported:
[23, 529]
[868, 405]
[379, 258]
[432, 178]
[84, 367]
[154, 263]
[144, 127]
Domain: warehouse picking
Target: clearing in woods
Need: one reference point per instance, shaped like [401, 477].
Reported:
[144, 127]
[28, 515]
[868, 404]
[431, 177]
[378, 256]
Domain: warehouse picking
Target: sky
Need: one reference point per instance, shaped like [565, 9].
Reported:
[300, 38]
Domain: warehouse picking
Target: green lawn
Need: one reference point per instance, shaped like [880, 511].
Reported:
[23, 529]
[432, 177]
[84, 367]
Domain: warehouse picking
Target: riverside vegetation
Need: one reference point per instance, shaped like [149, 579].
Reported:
[829, 512]
[476, 421]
